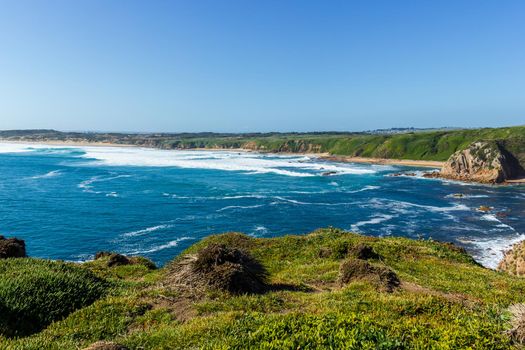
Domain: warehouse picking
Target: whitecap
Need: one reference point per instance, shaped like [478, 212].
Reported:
[466, 196]
[259, 231]
[366, 188]
[376, 219]
[87, 185]
[52, 173]
[250, 163]
[240, 207]
[146, 230]
[154, 249]
[489, 251]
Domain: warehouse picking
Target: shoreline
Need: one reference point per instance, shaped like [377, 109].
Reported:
[68, 143]
[323, 156]
[385, 161]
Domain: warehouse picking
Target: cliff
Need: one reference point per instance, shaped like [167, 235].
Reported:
[514, 260]
[482, 161]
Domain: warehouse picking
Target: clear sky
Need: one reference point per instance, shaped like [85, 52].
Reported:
[261, 65]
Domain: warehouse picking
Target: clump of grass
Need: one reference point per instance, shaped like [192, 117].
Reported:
[220, 267]
[364, 252]
[517, 332]
[116, 259]
[34, 293]
[356, 270]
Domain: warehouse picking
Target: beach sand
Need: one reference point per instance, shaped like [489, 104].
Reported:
[382, 161]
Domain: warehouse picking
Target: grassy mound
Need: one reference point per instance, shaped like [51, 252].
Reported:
[34, 293]
[221, 267]
[12, 248]
[363, 252]
[357, 270]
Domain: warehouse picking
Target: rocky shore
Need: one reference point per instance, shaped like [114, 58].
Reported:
[483, 162]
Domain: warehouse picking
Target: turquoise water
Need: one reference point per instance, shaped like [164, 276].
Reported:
[70, 202]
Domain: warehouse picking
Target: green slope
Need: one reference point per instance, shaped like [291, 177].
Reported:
[446, 301]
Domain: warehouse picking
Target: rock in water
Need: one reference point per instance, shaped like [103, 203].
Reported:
[12, 248]
[482, 161]
[514, 260]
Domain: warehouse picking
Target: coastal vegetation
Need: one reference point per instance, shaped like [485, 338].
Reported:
[328, 289]
[437, 145]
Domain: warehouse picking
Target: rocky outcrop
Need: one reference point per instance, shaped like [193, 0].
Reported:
[12, 248]
[482, 161]
[514, 260]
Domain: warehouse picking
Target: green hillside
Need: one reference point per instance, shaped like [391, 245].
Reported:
[320, 294]
[421, 145]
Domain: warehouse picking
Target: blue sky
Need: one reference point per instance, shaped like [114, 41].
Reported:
[266, 65]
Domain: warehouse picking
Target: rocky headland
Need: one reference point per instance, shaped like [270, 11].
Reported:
[482, 161]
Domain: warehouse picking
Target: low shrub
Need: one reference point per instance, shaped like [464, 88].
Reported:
[34, 293]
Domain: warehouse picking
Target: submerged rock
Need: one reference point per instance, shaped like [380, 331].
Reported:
[484, 208]
[513, 261]
[482, 161]
[12, 248]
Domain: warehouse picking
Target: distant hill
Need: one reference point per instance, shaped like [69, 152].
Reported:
[410, 144]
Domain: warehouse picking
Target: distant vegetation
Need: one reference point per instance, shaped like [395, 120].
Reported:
[327, 290]
[418, 145]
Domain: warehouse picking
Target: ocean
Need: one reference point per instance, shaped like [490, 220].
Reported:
[70, 202]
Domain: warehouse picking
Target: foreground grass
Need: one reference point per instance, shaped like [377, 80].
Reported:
[446, 301]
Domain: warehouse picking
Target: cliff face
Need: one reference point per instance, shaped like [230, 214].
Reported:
[514, 260]
[482, 161]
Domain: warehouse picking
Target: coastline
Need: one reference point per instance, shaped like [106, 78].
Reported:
[68, 143]
[386, 161]
[324, 156]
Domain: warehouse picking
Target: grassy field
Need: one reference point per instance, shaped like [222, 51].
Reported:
[431, 145]
[445, 300]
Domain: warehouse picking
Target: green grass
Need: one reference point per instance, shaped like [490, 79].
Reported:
[446, 301]
[34, 293]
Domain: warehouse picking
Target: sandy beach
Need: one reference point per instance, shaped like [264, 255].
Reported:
[383, 161]
[325, 156]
